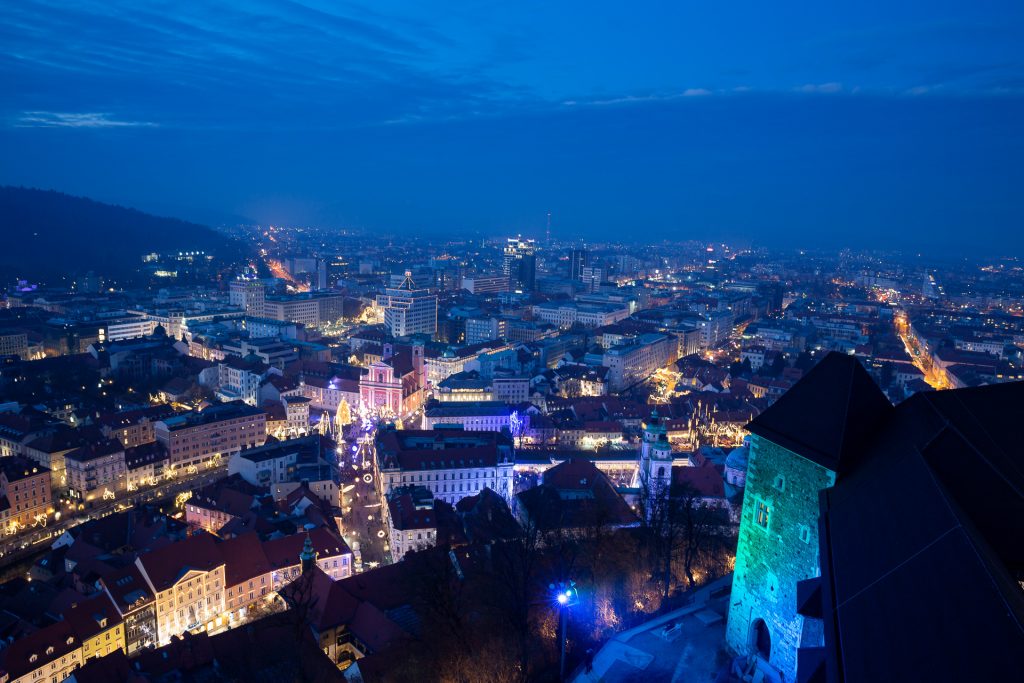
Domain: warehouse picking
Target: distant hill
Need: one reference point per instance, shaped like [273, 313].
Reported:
[46, 234]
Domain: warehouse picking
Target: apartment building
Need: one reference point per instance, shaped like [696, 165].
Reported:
[485, 284]
[134, 427]
[96, 471]
[188, 581]
[412, 524]
[472, 416]
[195, 437]
[631, 363]
[25, 491]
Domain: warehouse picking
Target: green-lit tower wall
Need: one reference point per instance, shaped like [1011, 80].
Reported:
[778, 546]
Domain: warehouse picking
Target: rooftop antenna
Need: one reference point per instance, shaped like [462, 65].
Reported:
[408, 283]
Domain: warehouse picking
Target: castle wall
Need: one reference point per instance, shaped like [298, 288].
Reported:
[771, 560]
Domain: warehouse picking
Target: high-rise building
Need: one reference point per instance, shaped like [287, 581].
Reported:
[250, 295]
[520, 264]
[578, 260]
[591, 278]
[409, 310]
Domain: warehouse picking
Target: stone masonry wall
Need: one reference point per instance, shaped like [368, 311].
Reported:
[770, 561]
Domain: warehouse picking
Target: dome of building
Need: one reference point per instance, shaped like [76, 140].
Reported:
[737, 458]
[736, 466]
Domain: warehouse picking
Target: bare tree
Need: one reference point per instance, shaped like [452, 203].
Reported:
[701, 524]
[679, 520]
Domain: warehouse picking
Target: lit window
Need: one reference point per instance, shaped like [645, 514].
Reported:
[761, 514]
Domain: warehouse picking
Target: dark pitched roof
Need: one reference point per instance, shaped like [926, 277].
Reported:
[168, 564]
[706, 479]
[16, 467]
[486, 517]
[96, 449]
[910, 589]
[244, 559]
[575, 494]
[407, 516]
[826, 415]
[127, 588]
[45, 645]
[284, 552]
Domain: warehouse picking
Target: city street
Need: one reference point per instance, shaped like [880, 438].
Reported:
[920, 359]
[362, 518]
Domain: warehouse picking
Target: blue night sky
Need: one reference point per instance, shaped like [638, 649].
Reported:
[795, 124]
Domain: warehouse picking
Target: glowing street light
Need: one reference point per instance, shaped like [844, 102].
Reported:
[565, 597]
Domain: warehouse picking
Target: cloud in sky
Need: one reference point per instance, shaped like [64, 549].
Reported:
[678, 119]
[53, 119]
[821, 88]
[315, 64]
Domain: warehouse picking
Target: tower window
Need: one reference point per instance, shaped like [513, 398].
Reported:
[805, 533]
[780, 483]
[761, 514]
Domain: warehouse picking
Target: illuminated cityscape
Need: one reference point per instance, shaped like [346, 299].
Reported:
[425, 354]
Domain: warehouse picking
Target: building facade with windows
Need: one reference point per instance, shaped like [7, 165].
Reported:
[520, 264]
[188, 581]
[191, 439]
[250, 295]
[408, 309]
[25, 492]
[411, 521]
[96, 471]
[451, 463]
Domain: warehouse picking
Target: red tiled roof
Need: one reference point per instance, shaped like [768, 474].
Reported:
[127, 587]
[284, 552]
[244, 559]
[706, 479]
[406, 517]
[15, 658]
[92, 616]
[593, 499]
[168, 564]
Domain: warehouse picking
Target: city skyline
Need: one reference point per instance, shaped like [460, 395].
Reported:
[529, 342]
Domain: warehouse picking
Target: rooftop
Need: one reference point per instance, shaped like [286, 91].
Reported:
[825, 416]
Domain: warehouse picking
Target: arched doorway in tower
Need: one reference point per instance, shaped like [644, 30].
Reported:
[760, 639]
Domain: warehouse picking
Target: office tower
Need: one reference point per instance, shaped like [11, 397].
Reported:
[250, 295]
[408, 310]
[578, 260]
[520, 264]
[591, 278]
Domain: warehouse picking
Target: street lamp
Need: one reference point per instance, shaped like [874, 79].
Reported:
[565, 597]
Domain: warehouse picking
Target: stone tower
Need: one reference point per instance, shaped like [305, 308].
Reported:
[798, 447]
[654, 466]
